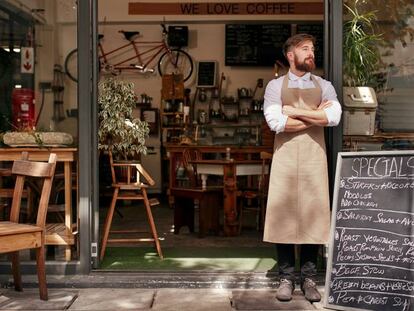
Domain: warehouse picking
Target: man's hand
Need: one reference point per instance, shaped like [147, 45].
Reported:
[324, 104]
[290, 111]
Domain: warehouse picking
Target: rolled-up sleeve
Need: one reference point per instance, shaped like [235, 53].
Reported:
[273, 106]
[334, 111]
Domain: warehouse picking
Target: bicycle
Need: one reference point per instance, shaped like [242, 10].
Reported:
[172, 61]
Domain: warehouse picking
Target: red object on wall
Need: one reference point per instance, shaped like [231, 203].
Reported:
[23, 108]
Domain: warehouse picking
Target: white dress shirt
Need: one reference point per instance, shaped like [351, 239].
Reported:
[273, 101]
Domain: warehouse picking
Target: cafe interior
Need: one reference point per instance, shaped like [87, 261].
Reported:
[163, 167]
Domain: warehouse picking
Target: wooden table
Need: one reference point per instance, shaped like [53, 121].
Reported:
[229, 169]
[56, 234]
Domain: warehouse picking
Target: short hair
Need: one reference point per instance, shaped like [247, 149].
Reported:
[296, 40]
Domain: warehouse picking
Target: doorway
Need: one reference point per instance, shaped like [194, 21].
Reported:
[196, 253]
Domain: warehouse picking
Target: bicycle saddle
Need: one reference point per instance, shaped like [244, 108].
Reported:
[130, 34]
[100, 36]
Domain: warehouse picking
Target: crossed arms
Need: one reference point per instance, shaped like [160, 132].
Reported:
[301, 119]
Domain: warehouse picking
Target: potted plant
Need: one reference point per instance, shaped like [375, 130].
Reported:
[362, 60]
[361, 53]
[118, 131]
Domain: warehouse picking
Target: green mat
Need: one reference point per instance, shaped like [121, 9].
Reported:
[258, 259]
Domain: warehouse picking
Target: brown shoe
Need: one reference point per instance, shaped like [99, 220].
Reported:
[285, 290]
[310, 290]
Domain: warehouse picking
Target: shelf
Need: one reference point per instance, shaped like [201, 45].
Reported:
[143, 105]
[231, 125]
[172, 127]
[172, 113]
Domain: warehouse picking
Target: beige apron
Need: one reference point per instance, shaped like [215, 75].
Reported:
[298, 201]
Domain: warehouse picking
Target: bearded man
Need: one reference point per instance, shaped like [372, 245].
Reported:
[297, 107]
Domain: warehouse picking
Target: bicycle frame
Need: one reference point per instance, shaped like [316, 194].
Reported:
[170, 60]
[160, 46]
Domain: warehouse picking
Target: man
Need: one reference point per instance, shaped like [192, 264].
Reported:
[297, 106]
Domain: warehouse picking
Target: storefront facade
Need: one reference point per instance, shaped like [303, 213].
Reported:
[90, 19]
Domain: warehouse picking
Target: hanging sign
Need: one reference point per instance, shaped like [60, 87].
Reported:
[27, 60]
[226, 8]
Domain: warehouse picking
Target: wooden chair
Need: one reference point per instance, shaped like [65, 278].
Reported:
[6, 195]
[14, 236]
[209, 199]
[130, 189]
[191, 170]
[259, 194]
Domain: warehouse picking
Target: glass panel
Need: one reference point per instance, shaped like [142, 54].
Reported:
[391, 124]
[38, 108]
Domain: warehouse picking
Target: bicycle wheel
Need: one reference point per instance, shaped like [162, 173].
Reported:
[71, 65]
[176, 62]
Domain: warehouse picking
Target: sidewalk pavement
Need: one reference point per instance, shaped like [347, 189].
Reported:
[152, 291]
[166, 299]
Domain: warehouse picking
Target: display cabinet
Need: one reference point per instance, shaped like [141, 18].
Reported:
[174, 107]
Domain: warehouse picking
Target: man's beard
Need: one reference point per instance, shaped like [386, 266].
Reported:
[307, 65]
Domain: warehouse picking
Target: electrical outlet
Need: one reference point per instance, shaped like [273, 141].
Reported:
[47, 86]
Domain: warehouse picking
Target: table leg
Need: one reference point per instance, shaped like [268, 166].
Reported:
[231, 223]
[68, 204]
[203, 181]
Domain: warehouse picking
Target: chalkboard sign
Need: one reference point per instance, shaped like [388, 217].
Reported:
[206, 73]
[371, 252]
[315, 30]
[255, 44]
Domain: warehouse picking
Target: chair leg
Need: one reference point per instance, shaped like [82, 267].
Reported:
[14, 257]
[41, 272]
[152, 224]
[108, 222]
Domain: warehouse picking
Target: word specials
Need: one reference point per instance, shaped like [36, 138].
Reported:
[381, 167]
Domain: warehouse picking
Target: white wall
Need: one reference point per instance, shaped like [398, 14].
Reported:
[206, 43]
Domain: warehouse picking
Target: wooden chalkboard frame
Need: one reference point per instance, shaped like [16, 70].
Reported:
[211, 78]
[341, 156]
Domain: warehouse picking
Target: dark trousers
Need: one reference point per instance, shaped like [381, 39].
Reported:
[286, 261]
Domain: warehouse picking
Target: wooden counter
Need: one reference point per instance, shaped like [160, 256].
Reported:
[234, 149]
[242, 155]
[352, 142]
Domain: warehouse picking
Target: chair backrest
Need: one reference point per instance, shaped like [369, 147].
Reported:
[191, 154]
[39, 170]
[132, 171]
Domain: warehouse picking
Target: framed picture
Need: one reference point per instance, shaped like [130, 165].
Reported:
[150, 115]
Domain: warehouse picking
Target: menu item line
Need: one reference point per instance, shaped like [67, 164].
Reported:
[373, 264]
[372, 292]
[378, 230]
[375, 210]
[373, 278]
[379, 178]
